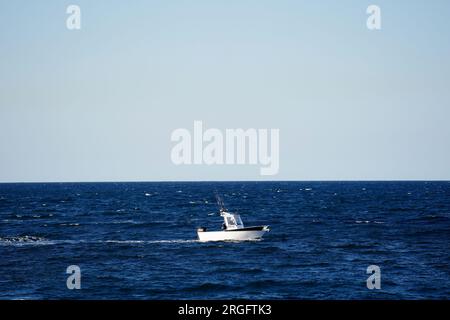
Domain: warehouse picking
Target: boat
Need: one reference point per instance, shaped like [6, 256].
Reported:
[233, 229]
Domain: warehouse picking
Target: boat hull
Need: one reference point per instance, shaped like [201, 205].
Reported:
[245, 234]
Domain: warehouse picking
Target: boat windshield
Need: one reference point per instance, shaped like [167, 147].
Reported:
[238, 220]
[230, 221]
[234, 221]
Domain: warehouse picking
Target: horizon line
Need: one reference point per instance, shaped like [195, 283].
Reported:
[202, 181]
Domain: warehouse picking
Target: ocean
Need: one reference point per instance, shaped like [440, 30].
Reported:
[138, 240]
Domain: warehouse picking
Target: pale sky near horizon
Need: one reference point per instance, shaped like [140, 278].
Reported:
[100, 103]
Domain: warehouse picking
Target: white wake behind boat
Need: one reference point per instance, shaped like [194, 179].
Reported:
[232, 230]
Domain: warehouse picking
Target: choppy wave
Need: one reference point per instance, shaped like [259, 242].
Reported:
[147, 241]
[34, 240]
[25, 240]
[368, 221]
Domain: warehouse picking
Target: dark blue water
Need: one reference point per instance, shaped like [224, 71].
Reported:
[137, 240]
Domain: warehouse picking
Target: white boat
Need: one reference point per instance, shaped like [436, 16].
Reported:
[232, 229]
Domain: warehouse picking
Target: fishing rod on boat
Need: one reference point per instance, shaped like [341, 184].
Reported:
[220, 202]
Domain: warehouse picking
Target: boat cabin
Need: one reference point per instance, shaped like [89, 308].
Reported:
[232, 221]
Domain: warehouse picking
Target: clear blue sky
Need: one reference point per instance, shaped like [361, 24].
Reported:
[100, 104]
